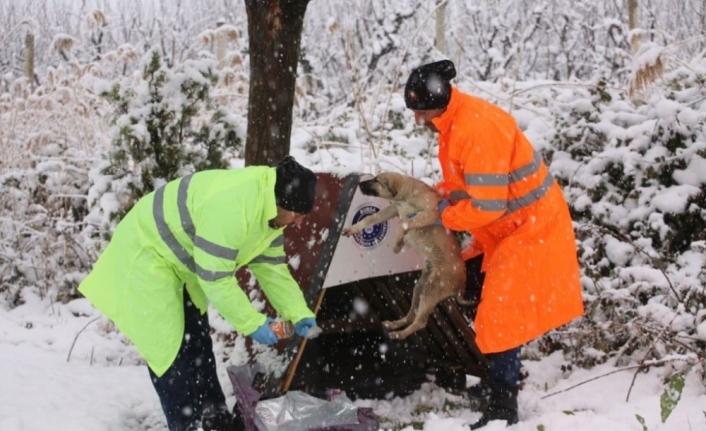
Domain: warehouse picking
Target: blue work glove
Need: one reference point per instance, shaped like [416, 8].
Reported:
[443, 204]
[302, 327]
[264, 334]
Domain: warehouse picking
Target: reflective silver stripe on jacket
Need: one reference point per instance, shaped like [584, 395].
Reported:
[532, 196]
[188, 225]
[525, 171]
[515, 176]
[179, 251]
[483, 204]
[268, 259]
[277, 242]
[489, 204]
[518, 174]
[486, 180]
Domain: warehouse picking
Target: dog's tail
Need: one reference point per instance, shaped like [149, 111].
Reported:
[460, 300]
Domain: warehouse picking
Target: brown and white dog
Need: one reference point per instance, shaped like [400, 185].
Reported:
[444, 272]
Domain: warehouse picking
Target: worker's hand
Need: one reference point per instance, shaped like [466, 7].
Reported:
[264, 334]
[302, 327]
[443, 204]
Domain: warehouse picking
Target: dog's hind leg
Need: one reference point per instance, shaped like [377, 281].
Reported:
[430, 297]
[411, 314]
[426, 306]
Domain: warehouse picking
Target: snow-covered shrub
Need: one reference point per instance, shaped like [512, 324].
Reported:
[59, 200]
[165, 125]
[635, 178]
[42, 246]
[52, 134]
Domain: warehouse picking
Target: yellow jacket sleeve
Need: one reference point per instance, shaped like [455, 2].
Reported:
[277, 282]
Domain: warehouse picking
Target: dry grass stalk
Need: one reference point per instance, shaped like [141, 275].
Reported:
[645, 76]
[235, 59]
[128, 53]
[228, 78]
[206, 37]
[97, 19]
[28, 22]
[125, 53]
[63, 43]
[20, 89]
[57, 113]
[229, 32]
[50, 77]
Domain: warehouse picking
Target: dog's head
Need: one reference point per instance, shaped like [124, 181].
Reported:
[385, 185]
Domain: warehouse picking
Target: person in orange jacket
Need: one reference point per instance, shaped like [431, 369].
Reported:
[498, 189]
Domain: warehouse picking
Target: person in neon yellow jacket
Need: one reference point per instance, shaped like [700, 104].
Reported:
[178, 249]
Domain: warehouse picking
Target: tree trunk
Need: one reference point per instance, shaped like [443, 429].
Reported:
[633, 24]
[275, 30]
[441, 27]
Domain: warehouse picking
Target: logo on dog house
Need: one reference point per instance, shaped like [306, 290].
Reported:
[371, 236]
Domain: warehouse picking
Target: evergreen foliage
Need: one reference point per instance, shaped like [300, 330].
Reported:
[166, 126]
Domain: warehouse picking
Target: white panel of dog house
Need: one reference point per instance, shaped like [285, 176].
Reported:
[369, 254]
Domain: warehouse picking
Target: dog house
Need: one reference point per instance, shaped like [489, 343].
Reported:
[354, 284]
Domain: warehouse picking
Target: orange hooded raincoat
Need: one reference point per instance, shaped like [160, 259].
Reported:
[505, 197]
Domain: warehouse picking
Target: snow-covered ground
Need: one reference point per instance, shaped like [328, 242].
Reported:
[103, 387]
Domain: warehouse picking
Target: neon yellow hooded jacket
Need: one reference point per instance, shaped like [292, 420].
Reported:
[196, 232]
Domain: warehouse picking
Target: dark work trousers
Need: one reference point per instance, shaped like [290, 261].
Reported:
[190, 385]
[503, 367]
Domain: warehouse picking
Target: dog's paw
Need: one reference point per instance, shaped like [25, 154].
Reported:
[391, 325]
[349, 231]
[398, 247]
[395, 335]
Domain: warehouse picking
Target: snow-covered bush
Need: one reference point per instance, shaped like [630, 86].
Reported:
[52, 134]
[60, 200]
[165, 125]
[43, 208]
[635, 178]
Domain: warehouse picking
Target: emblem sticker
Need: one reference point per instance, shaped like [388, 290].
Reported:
[371, 236]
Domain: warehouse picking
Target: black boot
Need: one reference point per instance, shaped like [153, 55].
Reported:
[501, 406]
[193, 426]
[479, 396]
[218, 419]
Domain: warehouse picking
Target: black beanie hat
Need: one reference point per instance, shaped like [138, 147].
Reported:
[295, 187]
[428, 86]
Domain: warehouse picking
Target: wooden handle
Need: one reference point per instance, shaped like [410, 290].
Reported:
[287, 381]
